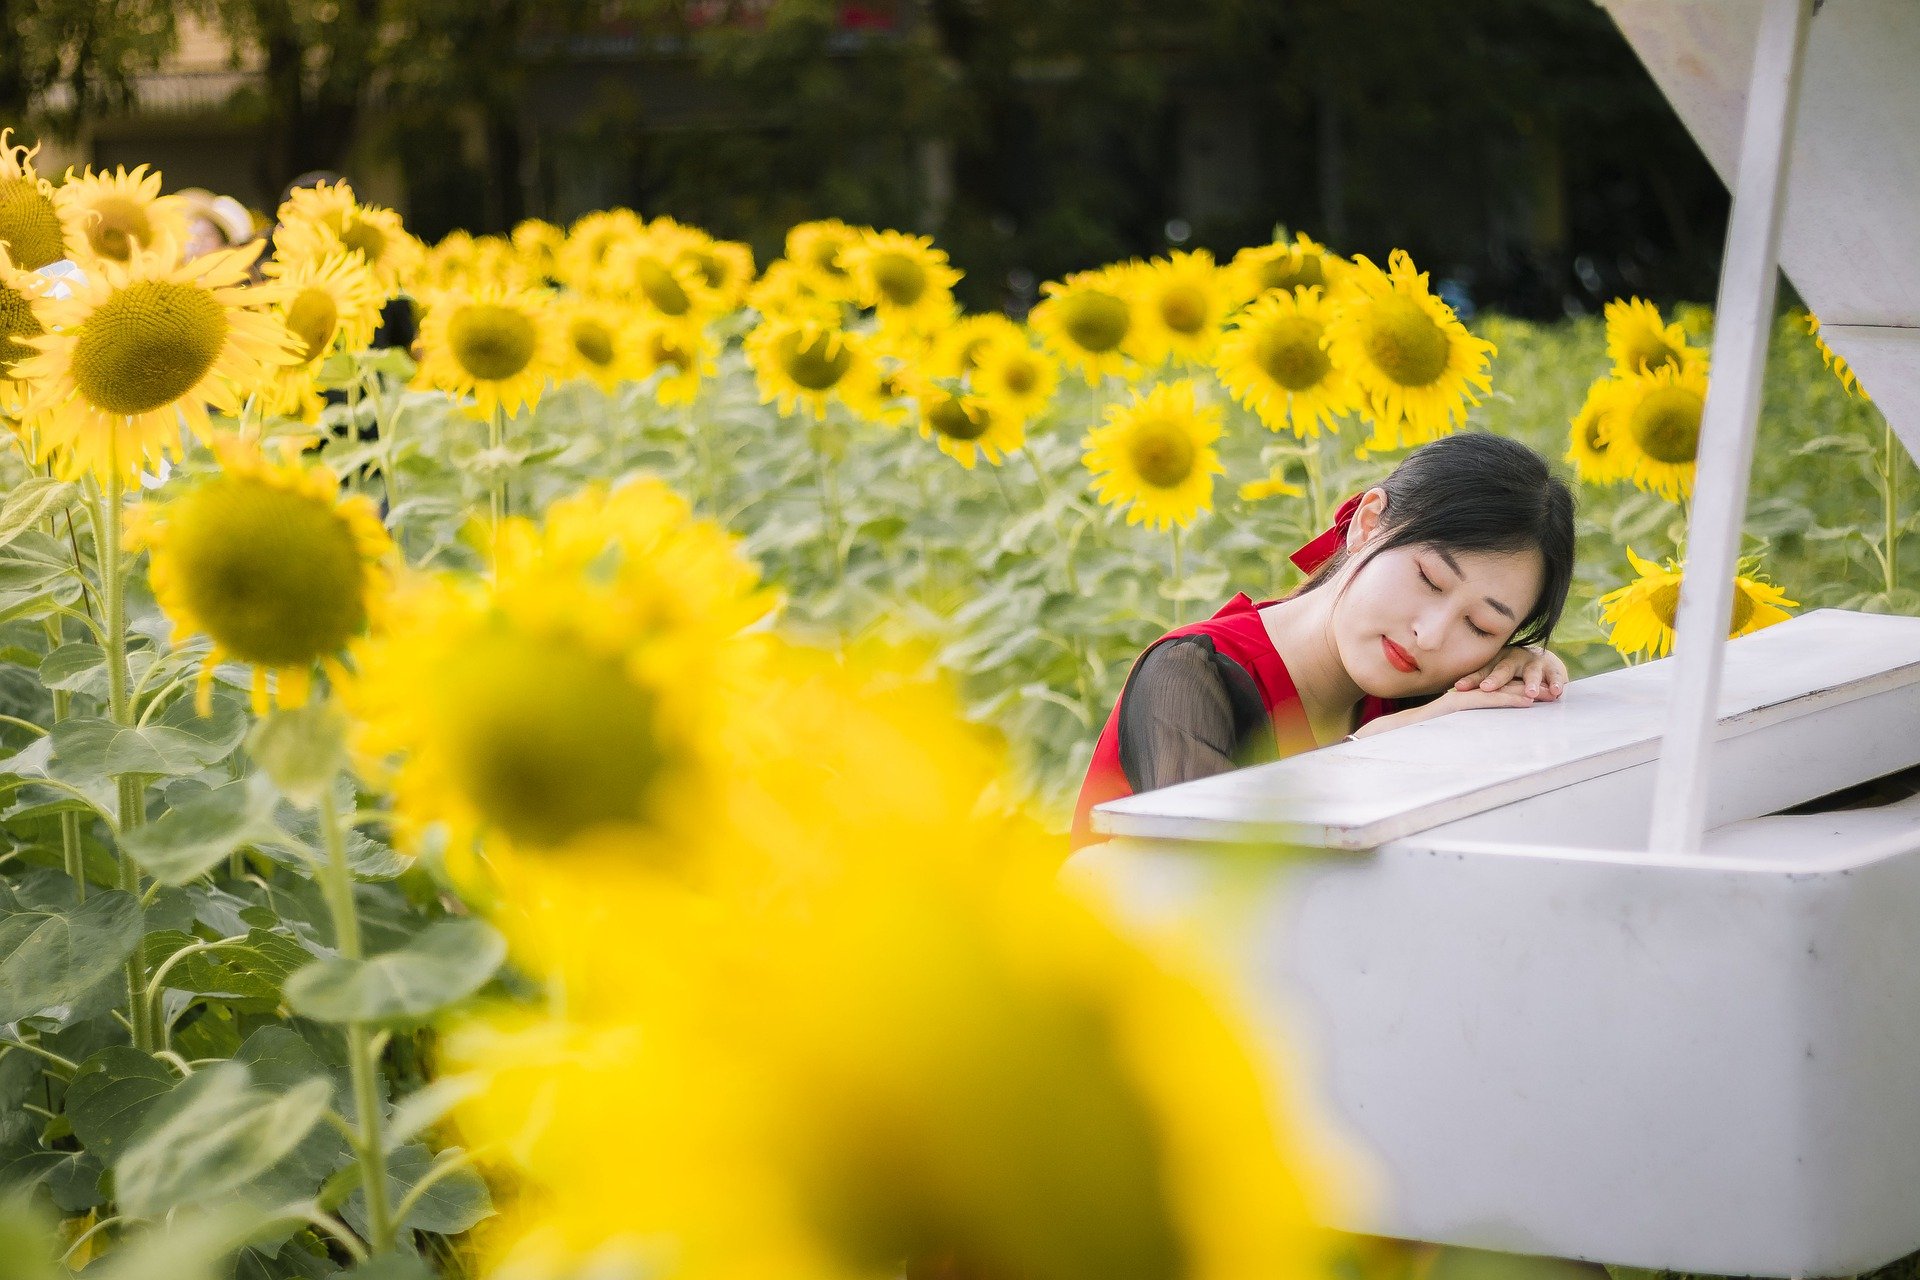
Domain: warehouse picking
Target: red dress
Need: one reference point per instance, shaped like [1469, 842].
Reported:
[1238, 633]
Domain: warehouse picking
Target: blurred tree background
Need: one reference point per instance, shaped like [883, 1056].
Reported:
[1515, 147]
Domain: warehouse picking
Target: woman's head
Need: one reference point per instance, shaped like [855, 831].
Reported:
[1465, 548]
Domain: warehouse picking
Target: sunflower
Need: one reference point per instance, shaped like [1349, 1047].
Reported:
[803, 362]
[1272, 485]
[315, 221]
[1590, 441]
[724, 266]
[20, 292]
[788, 289]
[1183, 302]
[1274, 360]
[497, 345]
[1155, 456]
[649, 271]
[1639, 342]
[1087, 319]
[271, 563]
[604, 343]
[34, 228]
[1654, 425]
[1640, 616]
[121, 211]
[968, 427]
[576, 699]
[957, 349]
[141, 346]
[1404, 348]
[590, 240]
[1018, 377]
[327, 304]
[1303, 264]
[537, 245]
[1838, 363]
[817, 248]
[682, 356]
[902, 277]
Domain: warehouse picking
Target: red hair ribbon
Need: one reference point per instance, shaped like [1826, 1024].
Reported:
[1328, 544]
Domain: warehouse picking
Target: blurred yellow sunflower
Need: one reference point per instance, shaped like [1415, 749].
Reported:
[314, 221]
[1639, 617]
[605, 343]
[1653, 424]
[881, 391]
[592, 237]
[1183, 302]
[34, 228]
[956, 350]
[901, 277]
[788, 289]
[1275, 362]
[1087, 320]
[537, 244]
[1272, 485]
[499, 346]
[1841, 369]
[19, 322]
[1302, 264]
[271, 562]
[725, 267]
[803, 362]
[575, 702]
[328, 304]
[121, 211]
[1019, 377]
[1590, 441]
[1155, 456]
[1404, 348]
[1638, 341]
[681, 355]
[968, 427]
[141, 347]
[817, 248]
[648, 271]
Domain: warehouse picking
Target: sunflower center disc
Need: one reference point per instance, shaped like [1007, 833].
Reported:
[662, 290]
[1183, 309]
[492, 342]
[314, 318]
[900, 278]
[117, 227]
[274, 577]
[1648, 351]
[958, 421]
[665, 350]
[1666, 422]
[358, 233]
[711, 272]
[1593, 433]
[1665, 603]
[147, 345]
[1289, 271]
[29, 225]
[1162, 454]
[1020, 376]
[1288, 349]
[1405, 343]
[551, 740]
[593, 342]
[1096, 321]
[818, 363]
[16, 322]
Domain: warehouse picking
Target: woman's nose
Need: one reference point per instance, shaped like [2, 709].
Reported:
[1428, 630]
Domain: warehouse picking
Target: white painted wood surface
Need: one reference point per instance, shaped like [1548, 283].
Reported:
[1358, 795]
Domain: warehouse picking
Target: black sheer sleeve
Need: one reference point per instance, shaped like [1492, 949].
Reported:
[1189, 712]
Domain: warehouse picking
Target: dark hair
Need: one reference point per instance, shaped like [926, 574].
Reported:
[1479, 492]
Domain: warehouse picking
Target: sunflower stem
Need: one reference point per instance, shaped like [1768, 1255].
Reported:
[132, 791]
[337, 883]
[496, 483]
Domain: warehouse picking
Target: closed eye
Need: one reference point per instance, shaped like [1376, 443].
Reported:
[1485, 635]
[1482, 632]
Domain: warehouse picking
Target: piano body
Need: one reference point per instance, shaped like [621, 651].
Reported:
[1545, 1022]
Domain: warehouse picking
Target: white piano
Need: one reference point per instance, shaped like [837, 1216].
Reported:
[1634, 977]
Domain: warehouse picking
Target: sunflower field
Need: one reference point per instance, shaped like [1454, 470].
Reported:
[580, 794]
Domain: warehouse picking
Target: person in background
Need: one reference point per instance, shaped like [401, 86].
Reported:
[213, 223]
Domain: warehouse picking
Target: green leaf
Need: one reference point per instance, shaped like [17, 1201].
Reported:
[52, 957]
[112, 1095]
[301, 750]
[452, 1204]
[197, 834]
[30, 501]
[192, 1246]
[30, 564]
[443, 963]
[426, 1107]
[176, 743]
[212, 1135]
[248, 972]
[79, 667]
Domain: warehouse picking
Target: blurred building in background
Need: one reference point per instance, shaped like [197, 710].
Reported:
[1515, 146]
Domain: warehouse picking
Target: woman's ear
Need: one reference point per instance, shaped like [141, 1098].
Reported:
[1367, 518]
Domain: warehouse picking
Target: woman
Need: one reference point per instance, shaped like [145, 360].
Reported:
[1433, 592]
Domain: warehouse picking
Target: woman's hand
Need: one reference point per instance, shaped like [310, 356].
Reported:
[1512, 694]
[1540, 673]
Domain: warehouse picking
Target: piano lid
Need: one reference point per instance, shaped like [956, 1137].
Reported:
[1850, 242]
[1358, 795]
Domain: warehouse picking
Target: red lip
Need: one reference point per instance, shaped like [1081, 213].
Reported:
[1400, 658]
